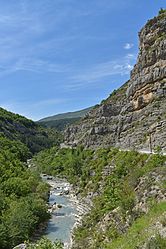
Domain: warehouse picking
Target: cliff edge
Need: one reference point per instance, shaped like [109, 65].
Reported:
[134, 116]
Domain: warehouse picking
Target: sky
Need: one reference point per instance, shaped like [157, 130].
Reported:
[65, 55]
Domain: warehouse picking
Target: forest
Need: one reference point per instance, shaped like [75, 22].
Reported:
[23, 196]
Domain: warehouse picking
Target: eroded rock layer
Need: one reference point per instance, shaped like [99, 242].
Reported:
[134, 116]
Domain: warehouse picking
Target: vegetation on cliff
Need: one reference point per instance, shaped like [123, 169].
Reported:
[112, 180]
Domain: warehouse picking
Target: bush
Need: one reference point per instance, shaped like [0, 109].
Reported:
[45, 243]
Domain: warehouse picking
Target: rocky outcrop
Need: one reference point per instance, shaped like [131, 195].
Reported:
[148, 190]
[134, 115]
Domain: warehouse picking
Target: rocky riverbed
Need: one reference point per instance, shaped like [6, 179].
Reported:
[66, 210]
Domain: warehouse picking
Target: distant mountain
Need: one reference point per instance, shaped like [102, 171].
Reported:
[60, 121]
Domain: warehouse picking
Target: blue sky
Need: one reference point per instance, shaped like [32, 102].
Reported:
[65, 55]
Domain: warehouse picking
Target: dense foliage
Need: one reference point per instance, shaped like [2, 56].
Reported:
[111, 176]
[44, 243]
[36, 138]
[22, 199]
[23, 195]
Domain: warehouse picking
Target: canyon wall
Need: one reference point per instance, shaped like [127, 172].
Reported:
[134, 116]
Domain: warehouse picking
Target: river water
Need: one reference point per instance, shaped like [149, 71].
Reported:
[63, 219]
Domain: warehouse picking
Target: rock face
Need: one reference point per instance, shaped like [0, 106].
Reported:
[148, 189]
[134, 116]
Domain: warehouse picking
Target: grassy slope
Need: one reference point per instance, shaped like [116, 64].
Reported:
[142, 229]
[87, 170]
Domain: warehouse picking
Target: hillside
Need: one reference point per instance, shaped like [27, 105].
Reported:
[17, 127]
[23, 196]
[134, 115]
[60, 121]
[124, 191]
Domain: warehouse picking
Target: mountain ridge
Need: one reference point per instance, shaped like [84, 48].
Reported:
[74, 114]
[60, 121]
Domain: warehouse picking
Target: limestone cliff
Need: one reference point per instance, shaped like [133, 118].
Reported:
[134, 116]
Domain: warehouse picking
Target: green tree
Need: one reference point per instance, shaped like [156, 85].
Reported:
[45, 243]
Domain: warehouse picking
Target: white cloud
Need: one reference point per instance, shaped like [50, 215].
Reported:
[130, 56]
[128, 45]
[36, 65]
[98, 72]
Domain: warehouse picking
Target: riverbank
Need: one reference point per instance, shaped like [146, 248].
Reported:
[67, 210]
[70, 206]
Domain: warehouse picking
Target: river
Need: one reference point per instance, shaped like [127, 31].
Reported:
[62, 219]
[66, 211]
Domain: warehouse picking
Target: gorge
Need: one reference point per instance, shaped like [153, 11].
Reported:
[115, 196]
